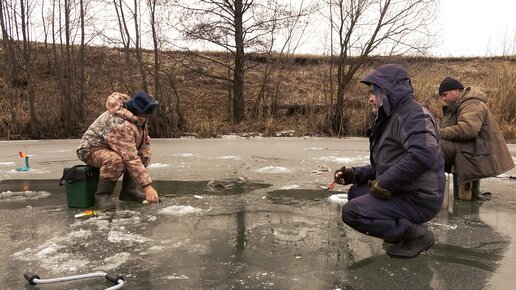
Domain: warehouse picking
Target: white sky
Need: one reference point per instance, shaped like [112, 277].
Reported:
[463, 27]
[476, 28]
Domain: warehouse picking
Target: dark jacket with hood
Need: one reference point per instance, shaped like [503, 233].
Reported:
[404, 142]
[481, 148]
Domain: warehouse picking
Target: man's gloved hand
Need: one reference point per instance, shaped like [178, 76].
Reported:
[378, 191]
[344, 176]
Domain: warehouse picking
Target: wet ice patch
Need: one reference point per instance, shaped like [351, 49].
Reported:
[158, 165]
[23, 195]
[179, 210]
[338, 198]
[273, 169]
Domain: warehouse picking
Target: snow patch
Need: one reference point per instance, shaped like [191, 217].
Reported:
[179, 210]
[22, 195]
[338, 198]
[113, 262]
[315, 149]
[337, 159]
[119, 237]
[229, 157]
[158, 165]
[185, 155]
[288, 187]
[177, 277]
[273, 169]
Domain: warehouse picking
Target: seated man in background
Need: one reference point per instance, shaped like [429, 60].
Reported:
[471, 140]
[403, 186]
[118, 143]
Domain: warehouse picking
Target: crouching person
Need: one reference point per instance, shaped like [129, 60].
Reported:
[403, 187]
[117, 143]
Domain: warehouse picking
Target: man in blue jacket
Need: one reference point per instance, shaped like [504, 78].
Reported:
[403, 187]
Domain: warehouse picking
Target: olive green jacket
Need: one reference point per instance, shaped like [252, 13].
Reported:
[481, 148]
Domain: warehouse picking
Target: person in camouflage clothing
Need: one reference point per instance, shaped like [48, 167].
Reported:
[117, 143]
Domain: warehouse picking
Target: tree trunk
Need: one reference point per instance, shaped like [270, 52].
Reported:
[9, 60]
[27, 51]
[238, 80]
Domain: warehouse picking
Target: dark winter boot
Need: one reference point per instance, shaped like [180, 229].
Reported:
[476, 194]
[416, 239]
[130, 191]
[103, 198]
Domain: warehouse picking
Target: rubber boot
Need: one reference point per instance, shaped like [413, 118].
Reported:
[103, 198]
[416, 239]
[130, 191]
[476, 194]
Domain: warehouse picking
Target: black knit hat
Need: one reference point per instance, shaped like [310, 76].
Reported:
[449, 84]
[141, 103]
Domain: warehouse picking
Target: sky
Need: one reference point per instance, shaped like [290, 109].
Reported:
[463, 28]
[476, 28]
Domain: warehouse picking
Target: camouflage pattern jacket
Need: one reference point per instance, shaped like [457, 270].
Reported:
[123, 132]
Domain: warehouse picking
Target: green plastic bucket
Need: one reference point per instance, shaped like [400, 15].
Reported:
[81, 184]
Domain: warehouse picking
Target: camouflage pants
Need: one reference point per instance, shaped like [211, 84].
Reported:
[110, 163]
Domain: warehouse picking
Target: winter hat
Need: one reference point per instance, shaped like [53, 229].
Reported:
[449, 84]
[141, 103]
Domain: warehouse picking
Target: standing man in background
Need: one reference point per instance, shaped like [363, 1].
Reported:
[118, 143]
[471, 140]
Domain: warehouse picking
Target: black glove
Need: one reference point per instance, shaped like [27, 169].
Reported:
[378, 191]
[344, 176]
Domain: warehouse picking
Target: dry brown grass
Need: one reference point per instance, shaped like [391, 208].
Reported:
[205, 105]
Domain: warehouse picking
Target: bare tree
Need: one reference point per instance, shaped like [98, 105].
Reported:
[25, 11]
[282, 41]
[9, 63]
[234, 26]
[364, 27]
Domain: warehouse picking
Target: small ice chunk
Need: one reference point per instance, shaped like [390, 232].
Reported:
[341, 198]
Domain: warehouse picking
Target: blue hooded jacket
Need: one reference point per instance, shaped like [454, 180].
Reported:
[405, 151]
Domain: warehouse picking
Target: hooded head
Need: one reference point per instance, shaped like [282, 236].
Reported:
[394, 82]
[141, 103]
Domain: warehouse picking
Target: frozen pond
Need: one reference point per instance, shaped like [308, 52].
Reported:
[239, 213]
